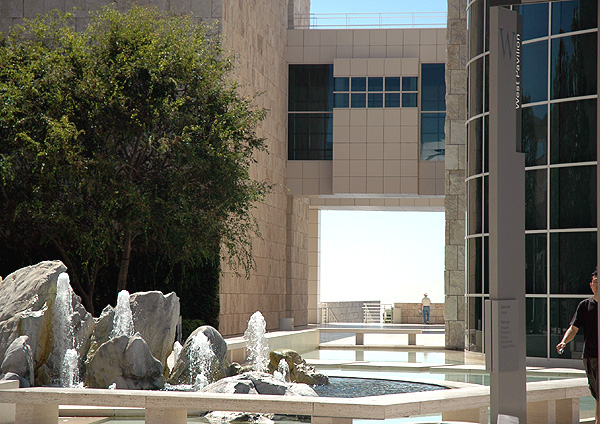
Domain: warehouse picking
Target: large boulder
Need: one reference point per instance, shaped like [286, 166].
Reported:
[18, 360]
[255, 382]
[155, 318]
[126, 362]
[26, 296]
[185, 372]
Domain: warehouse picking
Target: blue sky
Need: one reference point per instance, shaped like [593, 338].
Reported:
[386, 256]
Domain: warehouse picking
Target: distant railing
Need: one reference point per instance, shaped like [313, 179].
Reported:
[369, 20]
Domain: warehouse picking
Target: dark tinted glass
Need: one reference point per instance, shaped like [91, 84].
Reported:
[534, 82]
[310, 136]
[474, 215]
[341, 100]
[475, 323]
[311, 88]
[568, 16]
[475, 145]
[486, 265]
[375, 83]
[409, 99]
[375, 99]
[573, 131]
[486, 143]
[392, 99]
[486, 202]
[409, 83]
[561, 312]
[359, 84]
[359, 100]
[536, 188]
[572, 260]
[341, 84]
[536, 327]
[474, 265]
[535, 20]
[475, 24]
[433, 138]
[534, 132]
[573, 66]
[476, 87]
[535, 263]
[392, 83]
[486, 83]
[573, 197]
[433, 87]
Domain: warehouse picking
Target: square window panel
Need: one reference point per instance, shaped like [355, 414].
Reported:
[341, 100]
[392, 99]
[341, 84]
[375, 100]
[409, 83]
[409, 99]
[375, 83]
[359, 84]
[358, 100]
[392, 83]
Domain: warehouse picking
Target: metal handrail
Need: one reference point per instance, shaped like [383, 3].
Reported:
[369, 20]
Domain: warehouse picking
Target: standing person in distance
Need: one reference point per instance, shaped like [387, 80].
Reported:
[586, 317]
[425, 307]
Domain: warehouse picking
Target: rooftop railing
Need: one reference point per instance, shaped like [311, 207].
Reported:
[369, 20]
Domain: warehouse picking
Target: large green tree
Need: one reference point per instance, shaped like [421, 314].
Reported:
[126, 138]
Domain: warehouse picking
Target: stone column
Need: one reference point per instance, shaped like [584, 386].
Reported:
[456, 136]
[314, 254]
[296, 296]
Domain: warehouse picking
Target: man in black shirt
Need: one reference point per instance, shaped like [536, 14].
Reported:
[586, 317]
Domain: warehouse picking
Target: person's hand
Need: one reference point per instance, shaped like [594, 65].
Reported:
[560, 348]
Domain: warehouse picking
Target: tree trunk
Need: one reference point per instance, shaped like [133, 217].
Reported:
[86, 293]
[125, 259]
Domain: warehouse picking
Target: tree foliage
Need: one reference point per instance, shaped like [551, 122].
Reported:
[126, 138]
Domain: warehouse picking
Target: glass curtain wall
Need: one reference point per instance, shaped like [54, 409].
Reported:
[559, 83]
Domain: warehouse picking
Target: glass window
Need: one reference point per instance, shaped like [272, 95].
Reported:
[341, 100]
[486, 202]
[409, 83]
[534, 82]
[392, 99]
[375, 83]
[486, 83]
[536, 187]
[392, 83]
[311, 88]
[573, 131]
[475, 87]
[568, 16]
[486, 143]
[359, 84]
[341, 84]
[475, 23]
[535, 20]
[486, 265]
[409, 99]
[474, 265]
[535, 263]
[310, 136]
[572, 260]
[475, 206]
[433, 138]
[475, 145]
[375, 99]
[534, 133]
[359, 100]
[433, 87]
[561, 312]
[535, 327]
[573, 197]
[573, 66]
[475, 323]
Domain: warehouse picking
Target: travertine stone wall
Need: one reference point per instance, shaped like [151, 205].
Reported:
[456, 136]
[314, 265]
[410, 313]
[257, 32]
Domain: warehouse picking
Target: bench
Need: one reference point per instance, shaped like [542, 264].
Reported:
[360, 332]
[554, 401]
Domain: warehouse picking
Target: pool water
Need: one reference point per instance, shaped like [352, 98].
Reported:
[345, 387]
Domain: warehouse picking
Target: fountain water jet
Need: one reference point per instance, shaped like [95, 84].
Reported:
[283, 371]
[201, 359]
[123, 320]
[64, 341]
[257, 348]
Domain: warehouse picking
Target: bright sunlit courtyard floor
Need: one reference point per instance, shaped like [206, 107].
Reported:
[388, 356]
